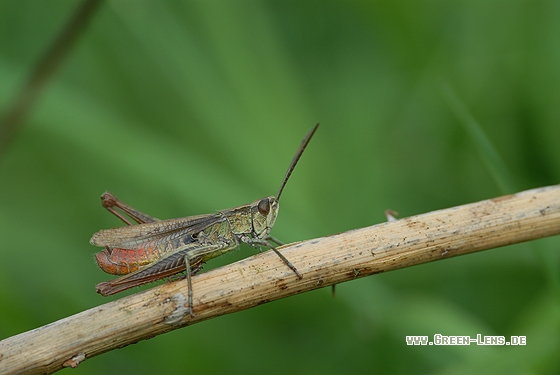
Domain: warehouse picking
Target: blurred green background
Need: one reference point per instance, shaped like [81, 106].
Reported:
[182, 108]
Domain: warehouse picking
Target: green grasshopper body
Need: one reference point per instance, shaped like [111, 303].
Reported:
[154, 249]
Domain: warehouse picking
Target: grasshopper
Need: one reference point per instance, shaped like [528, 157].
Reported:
[155, 249]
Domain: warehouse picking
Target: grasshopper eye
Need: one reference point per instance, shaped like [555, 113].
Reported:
[264, 206]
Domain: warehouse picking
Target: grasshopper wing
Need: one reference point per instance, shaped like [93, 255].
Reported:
[129, 248]
[157, 231]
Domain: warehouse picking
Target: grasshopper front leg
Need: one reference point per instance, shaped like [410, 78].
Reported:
[265, 242]
[189, 285]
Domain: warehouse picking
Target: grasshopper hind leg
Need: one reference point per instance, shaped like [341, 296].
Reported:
[110, 202]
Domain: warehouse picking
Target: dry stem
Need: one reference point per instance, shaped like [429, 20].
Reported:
[262, 278]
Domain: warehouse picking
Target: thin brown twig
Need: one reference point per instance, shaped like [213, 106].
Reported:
[45, 68]
[263, 278]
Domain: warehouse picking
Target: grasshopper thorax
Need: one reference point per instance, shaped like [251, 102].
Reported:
[263, 216]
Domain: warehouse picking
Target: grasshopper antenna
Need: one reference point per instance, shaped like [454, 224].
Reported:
[300, 150]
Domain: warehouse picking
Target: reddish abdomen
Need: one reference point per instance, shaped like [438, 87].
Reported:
[117, 261]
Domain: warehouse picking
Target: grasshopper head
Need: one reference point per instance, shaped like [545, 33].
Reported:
[264, 212]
